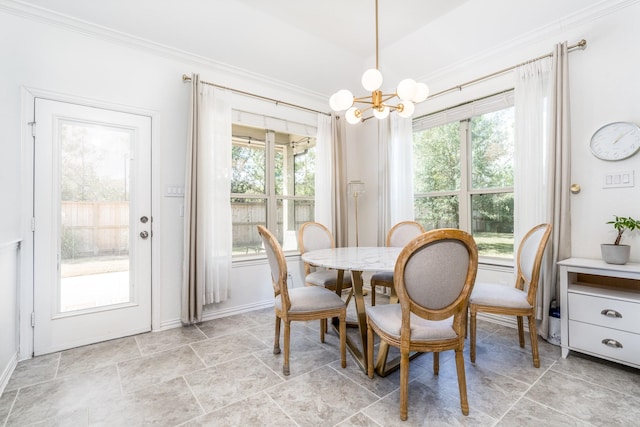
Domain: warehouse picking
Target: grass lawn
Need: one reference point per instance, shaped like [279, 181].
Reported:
[498, 245]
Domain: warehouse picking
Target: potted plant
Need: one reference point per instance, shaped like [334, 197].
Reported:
[615, 253]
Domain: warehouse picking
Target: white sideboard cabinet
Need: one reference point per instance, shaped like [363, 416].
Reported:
[600, 309]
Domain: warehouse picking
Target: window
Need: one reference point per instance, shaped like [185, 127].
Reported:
[463, 172]
[272, 184]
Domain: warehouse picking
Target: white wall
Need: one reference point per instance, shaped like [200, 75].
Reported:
[8, 310]
[604, 88]
[36, 54]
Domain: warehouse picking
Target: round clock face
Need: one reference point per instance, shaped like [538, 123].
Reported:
[616, 141]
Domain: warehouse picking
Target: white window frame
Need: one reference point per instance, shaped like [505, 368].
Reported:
[463, 114]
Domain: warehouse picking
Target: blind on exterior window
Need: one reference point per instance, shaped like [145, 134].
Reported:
[464, 111]
[272, 123]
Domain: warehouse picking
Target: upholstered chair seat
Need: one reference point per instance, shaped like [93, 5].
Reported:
[433, 278]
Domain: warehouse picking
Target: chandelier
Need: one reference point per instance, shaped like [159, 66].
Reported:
[407, 94]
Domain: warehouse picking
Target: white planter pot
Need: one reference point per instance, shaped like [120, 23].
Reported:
[615, 254]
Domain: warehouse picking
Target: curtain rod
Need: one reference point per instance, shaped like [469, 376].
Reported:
[186, 78]
[582, 44]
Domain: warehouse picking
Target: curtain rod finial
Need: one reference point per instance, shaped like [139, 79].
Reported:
[185, 78]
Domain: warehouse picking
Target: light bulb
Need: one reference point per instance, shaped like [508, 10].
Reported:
[407, 109]
[353, 115]
[381, 114]
[341, 100]
[422, 91]
[406, 89]
[372, 79]
[333, 102]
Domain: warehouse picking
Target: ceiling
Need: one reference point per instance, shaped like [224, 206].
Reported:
[325, 45]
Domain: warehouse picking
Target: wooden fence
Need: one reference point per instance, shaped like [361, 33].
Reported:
[102, 228]
[94, 228]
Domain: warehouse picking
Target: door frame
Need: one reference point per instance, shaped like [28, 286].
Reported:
[26, 279]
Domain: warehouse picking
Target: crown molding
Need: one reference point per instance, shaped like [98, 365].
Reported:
[580, 17]
[68, 23]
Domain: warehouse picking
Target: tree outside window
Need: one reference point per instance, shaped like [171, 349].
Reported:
[272, 184]
[463, 178]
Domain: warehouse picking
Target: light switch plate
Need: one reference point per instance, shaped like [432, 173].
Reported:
[619, 179]
[174, 191]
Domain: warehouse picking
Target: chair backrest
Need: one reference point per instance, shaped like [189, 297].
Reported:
[277, 263]
[434, 276]
[312, 236]
[529, 259]
[403, 232]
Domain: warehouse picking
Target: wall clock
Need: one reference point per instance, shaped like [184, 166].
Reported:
[616, 141]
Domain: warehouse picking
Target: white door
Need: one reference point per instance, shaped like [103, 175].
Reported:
[92, 225]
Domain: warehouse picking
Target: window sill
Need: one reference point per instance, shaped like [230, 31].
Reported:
[499, 263]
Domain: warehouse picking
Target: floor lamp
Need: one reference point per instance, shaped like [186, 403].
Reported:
[356, 189]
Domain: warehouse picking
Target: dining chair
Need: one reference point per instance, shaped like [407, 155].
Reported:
[299, 304]
[398, 236]
[433, 277]
[313, 236]
[519, 300]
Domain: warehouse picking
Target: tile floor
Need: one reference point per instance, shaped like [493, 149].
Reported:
[223, 373]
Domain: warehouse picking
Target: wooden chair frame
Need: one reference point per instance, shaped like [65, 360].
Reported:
[522, 283]
[457, 309]
[285, 315]
[380, 281]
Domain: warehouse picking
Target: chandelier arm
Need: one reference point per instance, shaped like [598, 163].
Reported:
[378, 101]
[366, 109]
[388, 96]
[364, 100]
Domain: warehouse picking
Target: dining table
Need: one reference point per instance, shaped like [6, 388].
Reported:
[358, 260]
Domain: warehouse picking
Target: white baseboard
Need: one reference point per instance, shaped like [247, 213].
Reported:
[217, 314]
[508, 321]
[8, 370]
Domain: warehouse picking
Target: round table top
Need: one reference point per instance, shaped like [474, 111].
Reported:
[354, 258]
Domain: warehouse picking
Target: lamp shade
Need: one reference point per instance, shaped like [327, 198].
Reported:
[353, 115]
[406, 89]
[372, 79]
[381, 113]
[421, 93]
[341, 100]
[407, 109]
[356, 188]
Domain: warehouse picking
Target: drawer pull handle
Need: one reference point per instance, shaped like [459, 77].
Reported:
[611, 313]
[611, 343]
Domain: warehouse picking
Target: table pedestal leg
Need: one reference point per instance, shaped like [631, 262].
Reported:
[358, 349]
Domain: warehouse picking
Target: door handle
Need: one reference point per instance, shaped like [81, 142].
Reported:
[144, 234]
[144, 219]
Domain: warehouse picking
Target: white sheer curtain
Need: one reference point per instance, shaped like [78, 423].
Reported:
[542, 165]
[395, 177]
[400, 170]
[531, 145]
[207, 207]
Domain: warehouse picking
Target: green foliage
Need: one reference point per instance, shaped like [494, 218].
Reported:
[621, 223]
[437, 174]
[492, 157]
[93, 164]
[248, 170]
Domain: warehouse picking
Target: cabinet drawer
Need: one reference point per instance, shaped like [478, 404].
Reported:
[589, 338]
[594, 309]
